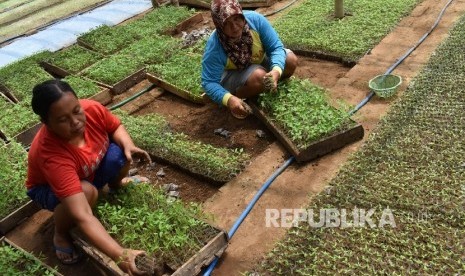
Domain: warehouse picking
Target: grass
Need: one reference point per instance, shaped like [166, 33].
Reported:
[140, 216]
[302, 111]
[17, 262]
[21, 76]
[152, 133]
[83, 87]
[16, 118]
[74, 58]
[183, 71]
[113, 69]
[349, 38]
[13, 171]
[153, 49]
[412, 164]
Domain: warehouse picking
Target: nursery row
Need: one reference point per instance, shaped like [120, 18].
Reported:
[410, 173]
[16, 261]
[140, 216]
[152, 132]
[85, 68]
[311, 26]
[13, 171]
[302, 110]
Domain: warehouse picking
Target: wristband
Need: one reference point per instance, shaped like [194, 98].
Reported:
[277, 68]
[226, 98]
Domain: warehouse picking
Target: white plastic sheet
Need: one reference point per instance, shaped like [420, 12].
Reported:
[65, 32]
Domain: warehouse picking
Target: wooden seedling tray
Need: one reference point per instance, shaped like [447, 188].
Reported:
[316, 149]
[5, 241]
[5, 91]
[54, 70]
[324, 56]
[104, 96]
[126, 83]
[214, 248]
[84, 44]
[25, 138]
[196, 18]
[175, 90]
[12, 220]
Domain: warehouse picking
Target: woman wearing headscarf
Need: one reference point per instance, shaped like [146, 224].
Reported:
[241, 56]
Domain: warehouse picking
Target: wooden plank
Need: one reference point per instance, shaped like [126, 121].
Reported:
[212, 249]
[7, 92]
[104, 97]
[102, 260]
[25, 138]
[86, 45]
[195, 4]
[196, 18]
[128, 82]
[18, 216]
[316, 149]
[173, 89]
[323, 56]
[142, 101]
[255, 4]
[54, 70]
[6, 241]
[3, 137]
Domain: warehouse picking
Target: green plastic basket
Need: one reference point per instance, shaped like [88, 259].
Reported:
[385, 85]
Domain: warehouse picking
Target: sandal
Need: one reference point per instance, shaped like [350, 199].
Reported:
[75, 255]
[135, 179]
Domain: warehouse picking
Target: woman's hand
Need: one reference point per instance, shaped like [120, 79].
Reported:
[132, 150]
[122, 138]
[127, 262]
[274, 75]
[236, 106]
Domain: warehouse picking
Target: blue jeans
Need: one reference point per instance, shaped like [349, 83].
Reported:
[112, 163]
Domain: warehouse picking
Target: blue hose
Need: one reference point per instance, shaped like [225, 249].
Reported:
[249, 207]
[399, 61]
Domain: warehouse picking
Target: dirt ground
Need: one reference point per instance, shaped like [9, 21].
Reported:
[290, 190]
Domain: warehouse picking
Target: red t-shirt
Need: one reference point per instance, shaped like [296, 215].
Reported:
[55, 162]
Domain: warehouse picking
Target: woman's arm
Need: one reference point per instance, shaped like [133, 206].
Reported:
[122, 138]
[79, 211]
[213, 62]
[271, 42]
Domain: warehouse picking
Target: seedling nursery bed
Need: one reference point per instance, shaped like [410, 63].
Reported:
[175, 90]
[213, 247]
[318, 148]
[301, 116]
[126, 83]
[17, 261]
[175, 236]
[19, 215]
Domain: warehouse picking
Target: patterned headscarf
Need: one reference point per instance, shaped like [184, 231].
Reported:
[239, 51]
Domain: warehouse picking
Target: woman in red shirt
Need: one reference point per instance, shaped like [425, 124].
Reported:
[80, 148]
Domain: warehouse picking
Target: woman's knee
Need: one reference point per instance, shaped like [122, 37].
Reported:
[291, 65]
[90, 191]
[255, 81]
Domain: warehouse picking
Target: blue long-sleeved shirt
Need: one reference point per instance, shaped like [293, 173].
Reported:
[215, 59]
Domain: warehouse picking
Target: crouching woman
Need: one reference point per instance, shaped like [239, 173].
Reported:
[80, 148]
